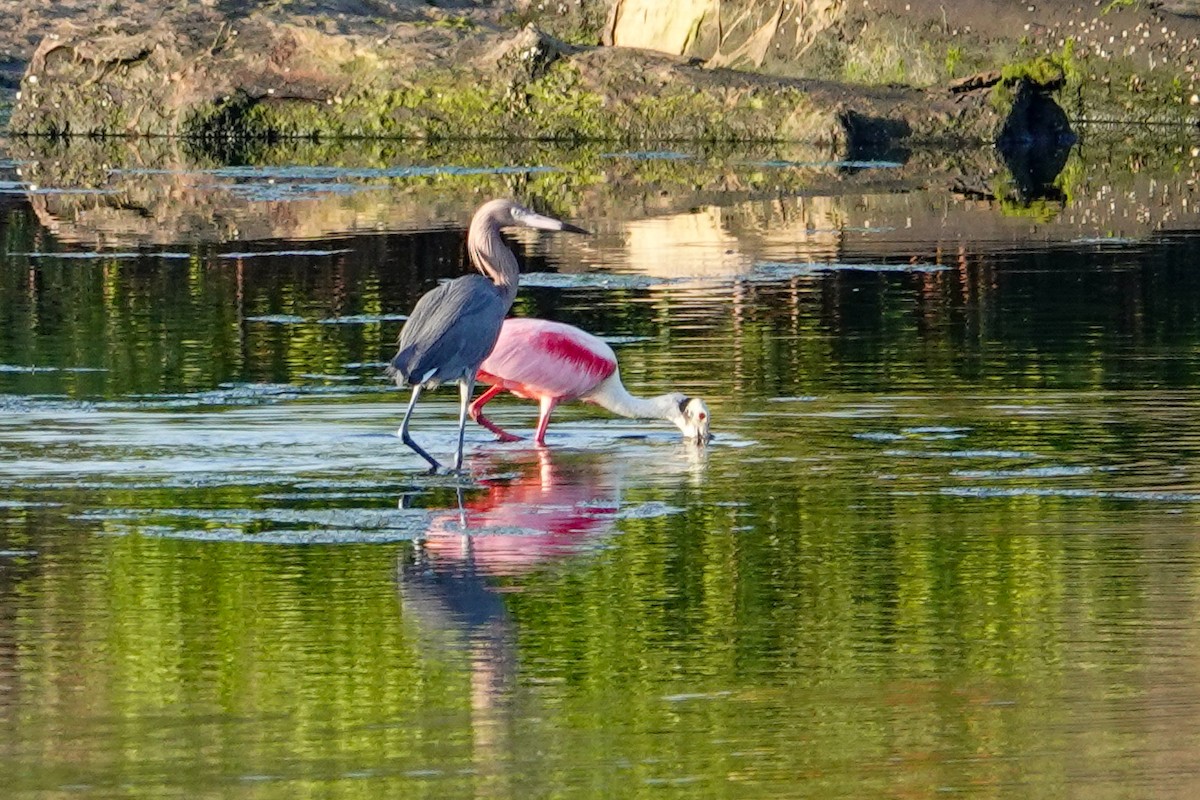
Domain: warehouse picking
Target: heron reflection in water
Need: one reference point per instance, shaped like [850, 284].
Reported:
[540, 508]
[446, 583]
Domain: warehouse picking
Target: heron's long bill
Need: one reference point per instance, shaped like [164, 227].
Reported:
[551, 224]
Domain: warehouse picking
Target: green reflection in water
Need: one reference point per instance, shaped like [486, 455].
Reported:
[943, 542]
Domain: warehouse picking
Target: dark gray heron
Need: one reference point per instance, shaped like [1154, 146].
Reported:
[453, 328]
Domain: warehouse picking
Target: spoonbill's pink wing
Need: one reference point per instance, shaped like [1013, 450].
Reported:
[537, 358]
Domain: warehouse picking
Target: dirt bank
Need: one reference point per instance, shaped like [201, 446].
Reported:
[202, 75]
[847, 75]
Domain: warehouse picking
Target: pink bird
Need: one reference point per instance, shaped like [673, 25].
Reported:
[552, 362]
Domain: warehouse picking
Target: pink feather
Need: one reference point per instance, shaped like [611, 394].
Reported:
[536, 358]
[545, 361]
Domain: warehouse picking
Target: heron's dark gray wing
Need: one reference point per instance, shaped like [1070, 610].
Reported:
[450, 331]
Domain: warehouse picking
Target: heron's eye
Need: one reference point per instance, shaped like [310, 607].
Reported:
[702, 416]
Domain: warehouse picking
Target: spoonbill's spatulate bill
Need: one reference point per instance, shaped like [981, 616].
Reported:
[552, 362]
[453, 327]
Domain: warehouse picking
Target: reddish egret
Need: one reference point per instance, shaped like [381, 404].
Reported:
[551, 362]
[453, 327]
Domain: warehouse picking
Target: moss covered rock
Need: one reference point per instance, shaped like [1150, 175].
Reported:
[1115, 61]
[201, 76]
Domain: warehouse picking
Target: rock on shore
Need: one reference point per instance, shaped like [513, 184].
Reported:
[205, 75]
[848, 75]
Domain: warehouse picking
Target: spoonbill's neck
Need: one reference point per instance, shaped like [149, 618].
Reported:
[612, 395]
[491, 256]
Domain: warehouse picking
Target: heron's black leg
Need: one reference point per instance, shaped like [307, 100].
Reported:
[433, 464]
[465, 389]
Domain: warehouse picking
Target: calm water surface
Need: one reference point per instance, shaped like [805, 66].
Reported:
[945, 541]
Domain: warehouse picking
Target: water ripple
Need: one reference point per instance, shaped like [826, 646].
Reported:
[1029, 491]
[832, 164]
[1030, 472]
[300, 172]
[92, 255]
[961, 454]
[284, 253]
[591, 280]
[37, 369]
[775, 270]
[650, 155]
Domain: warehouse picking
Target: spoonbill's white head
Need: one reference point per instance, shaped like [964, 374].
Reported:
[692, 418]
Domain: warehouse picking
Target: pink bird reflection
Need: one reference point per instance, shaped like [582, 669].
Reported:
[544, 512]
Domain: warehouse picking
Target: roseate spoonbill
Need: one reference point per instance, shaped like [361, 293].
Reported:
[453, 327]
[552, 362]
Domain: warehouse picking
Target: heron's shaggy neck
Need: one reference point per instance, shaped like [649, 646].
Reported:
[612, 395]
[491, 255]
